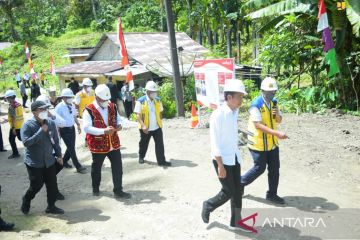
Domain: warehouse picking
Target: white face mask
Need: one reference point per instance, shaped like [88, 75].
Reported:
[43, 115]
[153, 95]
[69, 100]
[104, 104]
[87, 89]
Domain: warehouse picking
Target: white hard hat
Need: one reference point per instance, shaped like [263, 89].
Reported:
[44, 99]
[103, 92]
[151, 86]
[269, 84]
[234, 85]
[87, 82]
[10, 93]
[52, 89]
[66, 92]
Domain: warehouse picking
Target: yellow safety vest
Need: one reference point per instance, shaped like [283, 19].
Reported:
[85, 100]
[145, 111]
[19, 117]
[258, 140]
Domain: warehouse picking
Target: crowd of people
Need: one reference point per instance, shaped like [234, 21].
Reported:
[97, 107]
[101, 121]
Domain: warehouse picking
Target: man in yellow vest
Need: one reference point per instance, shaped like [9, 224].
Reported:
[263, 139]
[16, 120]
[148, 110]
[84, 97]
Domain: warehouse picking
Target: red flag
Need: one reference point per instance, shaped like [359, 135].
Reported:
[52, 65]
[27, 51]
[124, 57]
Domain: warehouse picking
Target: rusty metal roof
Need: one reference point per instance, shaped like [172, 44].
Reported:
[90, 67]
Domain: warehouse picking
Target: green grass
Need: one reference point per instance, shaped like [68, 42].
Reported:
[42, 47]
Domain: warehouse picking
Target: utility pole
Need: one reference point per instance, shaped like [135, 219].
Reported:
[174, 60]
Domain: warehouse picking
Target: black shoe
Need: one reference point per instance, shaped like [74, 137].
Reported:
[14, 156]
[54, 210]
[123, 195]
[67, 165]
[96, 192]
[81, 170]
[25, 206]
[3, 150]
[4, 226]
[205, 214]
[275, 199]
[59, 196]
[141, 160]
[165, 164]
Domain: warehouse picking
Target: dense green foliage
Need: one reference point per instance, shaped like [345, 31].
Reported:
[281, 32]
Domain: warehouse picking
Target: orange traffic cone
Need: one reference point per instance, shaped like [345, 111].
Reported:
[194, 117]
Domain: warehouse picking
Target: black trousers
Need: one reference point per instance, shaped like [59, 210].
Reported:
[159, 144]
[1, 140]
[24, 98]
[39, 176]
[116, 169]
[12, 141]
[69, 136]
[231, 189]
[128, 105]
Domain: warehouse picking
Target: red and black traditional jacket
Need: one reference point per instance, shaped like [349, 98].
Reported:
[103, 143]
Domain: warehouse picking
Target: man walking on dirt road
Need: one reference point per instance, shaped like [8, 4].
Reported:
[263, 139]
[148, 111]
[226, 155]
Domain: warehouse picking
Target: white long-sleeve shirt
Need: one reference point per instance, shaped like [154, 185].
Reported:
[224, 135]
[88, 124]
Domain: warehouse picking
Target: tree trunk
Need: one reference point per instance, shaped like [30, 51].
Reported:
[210, 38]
[200, 36]
[216, 37]
[228, 42]
[9, 13]
[247, 27]
[94, 9]
[189, 5]
[238, 43]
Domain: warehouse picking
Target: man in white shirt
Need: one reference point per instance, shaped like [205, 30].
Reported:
[148, 111]
[101, 124]
[225, 153]
[66, 110]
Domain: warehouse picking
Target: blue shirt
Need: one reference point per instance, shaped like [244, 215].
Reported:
[67, 113]
[39, 145]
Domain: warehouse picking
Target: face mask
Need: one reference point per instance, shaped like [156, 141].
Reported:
[269, 96]
[153, 95]
[87, 89]
[69, 100]
[104, 104]
[43, 115]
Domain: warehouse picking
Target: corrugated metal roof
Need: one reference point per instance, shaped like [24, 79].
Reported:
[90, 67]
[4, 45]
[147, 47]
[135, 69]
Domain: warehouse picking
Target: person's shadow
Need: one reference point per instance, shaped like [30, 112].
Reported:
[266, 232]
[143, 197]
[82, 215]
[307, 204]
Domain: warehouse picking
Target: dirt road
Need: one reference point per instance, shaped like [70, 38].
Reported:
[320, 166]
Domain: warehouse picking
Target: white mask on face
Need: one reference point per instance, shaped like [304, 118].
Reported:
[69, 100]
[104, 104]
[87, 89]
[43, 115]
[153, 95]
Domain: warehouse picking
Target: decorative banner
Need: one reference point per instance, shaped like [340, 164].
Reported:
[52, 65]
[330, 54]
[27, 51]
[210, 78]
[125, 57]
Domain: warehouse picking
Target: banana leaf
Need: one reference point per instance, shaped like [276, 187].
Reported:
[353, 14]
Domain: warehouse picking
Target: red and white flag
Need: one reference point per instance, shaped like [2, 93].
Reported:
[27, 51]
[52, 65]
[124, 57]
[322, 16]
